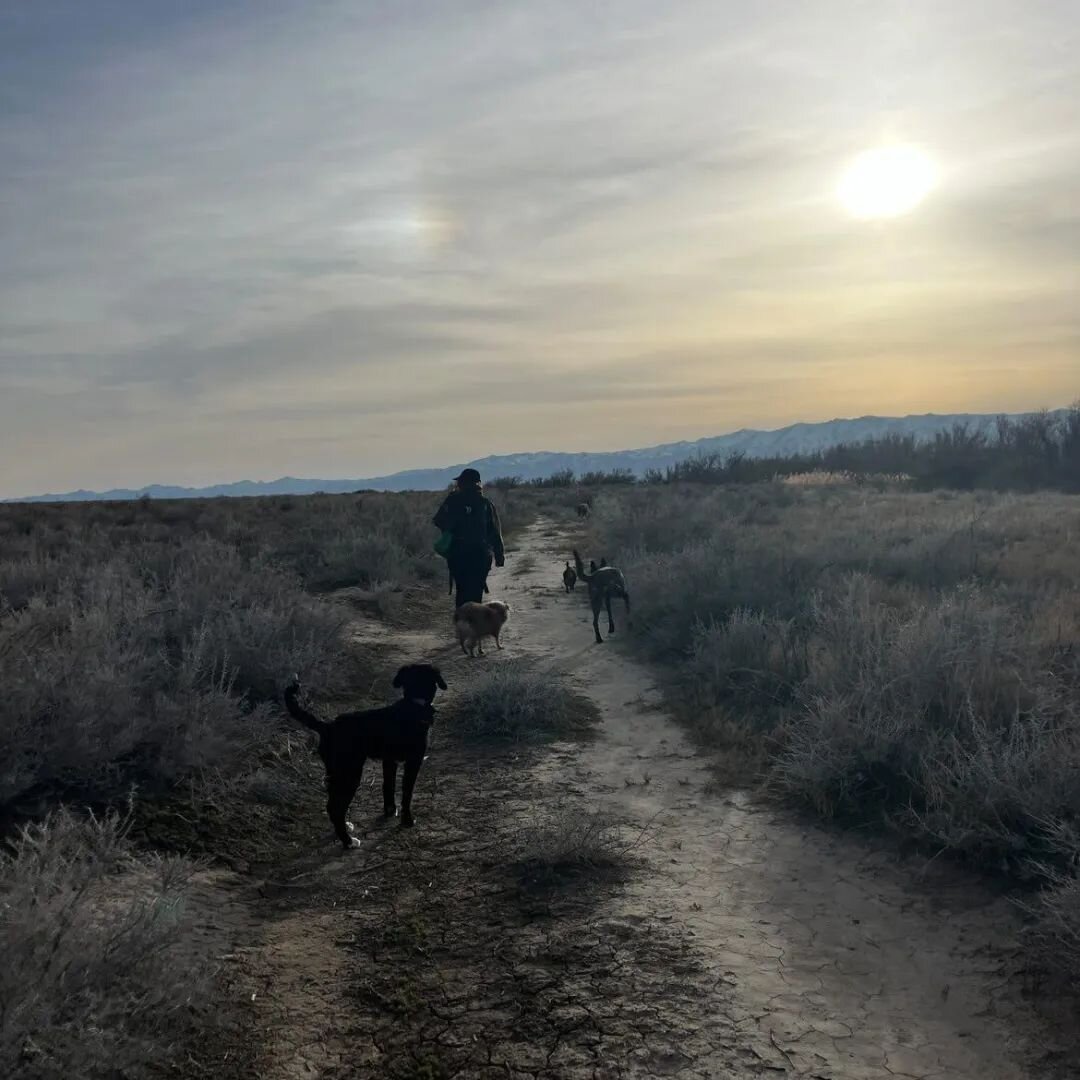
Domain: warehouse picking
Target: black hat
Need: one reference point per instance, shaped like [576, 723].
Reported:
[469, 478]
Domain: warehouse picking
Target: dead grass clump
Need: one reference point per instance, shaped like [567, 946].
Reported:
[1055, 935]
[750, 658]
[94, 983]
[511, 702]
[940, 717]
[570, 846]
[524, 565]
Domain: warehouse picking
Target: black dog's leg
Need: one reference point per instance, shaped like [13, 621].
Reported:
[341, 792]
[597, 603]
[408, 782]
[389, 780]
[610, 617]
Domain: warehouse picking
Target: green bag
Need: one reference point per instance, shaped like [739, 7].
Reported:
[444, 543]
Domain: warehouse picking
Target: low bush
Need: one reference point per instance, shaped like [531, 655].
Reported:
[132, 677]
[96, 982]
[889, 658]
[511, 702]
[570, 845]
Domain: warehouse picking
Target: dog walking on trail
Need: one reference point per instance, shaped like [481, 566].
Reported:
[473, 524]
[475, 622]
[605, 583]
[569, 578]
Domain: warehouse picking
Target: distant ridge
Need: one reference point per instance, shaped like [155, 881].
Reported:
[794, 439]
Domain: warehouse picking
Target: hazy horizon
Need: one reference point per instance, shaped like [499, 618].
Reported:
[245, 240]
[470, 458]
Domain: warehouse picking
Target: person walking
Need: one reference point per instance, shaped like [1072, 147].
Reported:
[473, 522]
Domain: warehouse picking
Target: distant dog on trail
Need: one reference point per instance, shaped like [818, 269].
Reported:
[396, 733]
[605, 582]
[582, 510]
[569, 578]
[474, 622]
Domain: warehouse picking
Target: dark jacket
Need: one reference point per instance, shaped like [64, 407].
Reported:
[473, 521]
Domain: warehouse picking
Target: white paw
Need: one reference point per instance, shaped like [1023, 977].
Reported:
[354, 842]
[350, 826]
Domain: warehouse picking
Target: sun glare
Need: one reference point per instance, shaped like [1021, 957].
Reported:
[886, 182]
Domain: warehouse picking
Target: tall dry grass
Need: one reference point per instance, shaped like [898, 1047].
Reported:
[145, 641]
[142, 646]
[888, 658]
[97, 980]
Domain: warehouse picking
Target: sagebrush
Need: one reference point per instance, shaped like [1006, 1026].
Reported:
[889, 658]
[97, 981]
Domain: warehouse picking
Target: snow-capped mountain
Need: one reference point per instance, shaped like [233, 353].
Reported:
[795, 439]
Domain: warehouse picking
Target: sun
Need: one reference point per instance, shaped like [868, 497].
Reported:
[886, 182]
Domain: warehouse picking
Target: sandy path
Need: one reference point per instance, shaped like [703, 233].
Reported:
[825, 957]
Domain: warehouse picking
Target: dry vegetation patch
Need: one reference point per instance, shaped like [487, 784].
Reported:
[96, 981]
[883, 657]
[570, 844]
[513, 702]
[143, 646]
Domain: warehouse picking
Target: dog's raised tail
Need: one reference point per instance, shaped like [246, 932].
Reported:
[291, 695]
[580, 567]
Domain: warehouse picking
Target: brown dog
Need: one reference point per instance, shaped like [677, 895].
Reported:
[474, 622]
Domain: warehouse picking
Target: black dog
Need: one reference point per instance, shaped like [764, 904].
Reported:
[569, 578]
[396, 733]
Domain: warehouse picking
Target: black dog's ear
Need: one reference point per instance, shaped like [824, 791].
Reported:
[440, 682]
[398, 679]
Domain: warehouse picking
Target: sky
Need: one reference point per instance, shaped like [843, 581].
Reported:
[247, 238]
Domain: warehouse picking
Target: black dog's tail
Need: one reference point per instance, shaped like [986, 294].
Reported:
[298, 712]
[580, 567]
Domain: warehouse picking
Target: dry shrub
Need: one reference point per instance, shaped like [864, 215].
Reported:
[571, 845]
[136, 677]
[885, 656]
[939, 716]
[143, 642]
[95, 983]
[1055, 933]
[511, 702]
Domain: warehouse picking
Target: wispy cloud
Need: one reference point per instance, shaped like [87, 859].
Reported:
[256, 238]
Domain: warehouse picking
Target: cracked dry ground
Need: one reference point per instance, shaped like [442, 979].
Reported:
[743, 943]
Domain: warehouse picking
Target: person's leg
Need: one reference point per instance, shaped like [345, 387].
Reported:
[458, 577]
[470, 575]
[463, 581]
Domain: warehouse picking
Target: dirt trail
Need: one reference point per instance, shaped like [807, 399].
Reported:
[827, 957]
[746, 944]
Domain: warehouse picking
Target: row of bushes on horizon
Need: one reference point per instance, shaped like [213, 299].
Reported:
[1039, 451]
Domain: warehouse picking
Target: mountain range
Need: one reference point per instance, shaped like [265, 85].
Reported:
[794, 439]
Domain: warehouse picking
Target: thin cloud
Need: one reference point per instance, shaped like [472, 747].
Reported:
[223, 217]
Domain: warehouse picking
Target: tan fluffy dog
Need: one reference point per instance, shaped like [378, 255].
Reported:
[474, 622]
